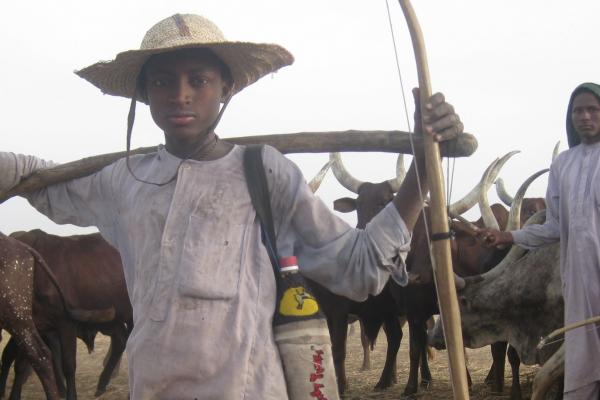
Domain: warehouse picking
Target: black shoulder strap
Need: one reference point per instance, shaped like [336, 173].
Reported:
[256, 180]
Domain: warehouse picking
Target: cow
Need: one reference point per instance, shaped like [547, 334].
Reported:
[469, 257]
[376, 311]
[91, 274]
[380, 310]
[517, 301]
[17, 264]
[22, 370]
[472, 257]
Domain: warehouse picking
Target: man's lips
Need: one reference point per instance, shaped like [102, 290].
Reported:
[181, 118]
[585, 128]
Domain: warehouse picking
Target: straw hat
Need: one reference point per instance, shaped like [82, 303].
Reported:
[247, 61]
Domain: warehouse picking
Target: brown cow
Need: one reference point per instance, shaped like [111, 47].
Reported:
[377, 310]
[91, 274]
[17, 263]
[410, 300]
[23, 370]
[469, 257]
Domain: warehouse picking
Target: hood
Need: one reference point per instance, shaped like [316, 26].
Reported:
[572, 135]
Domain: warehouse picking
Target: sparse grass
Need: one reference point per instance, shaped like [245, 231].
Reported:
[361, 383]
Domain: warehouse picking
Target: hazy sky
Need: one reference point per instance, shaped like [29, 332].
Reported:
[508, 68]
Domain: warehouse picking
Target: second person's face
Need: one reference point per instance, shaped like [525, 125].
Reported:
[585, 113]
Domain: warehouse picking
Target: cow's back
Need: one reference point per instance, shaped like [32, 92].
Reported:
[88, 270]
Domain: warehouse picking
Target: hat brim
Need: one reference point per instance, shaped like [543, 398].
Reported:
[247, 62]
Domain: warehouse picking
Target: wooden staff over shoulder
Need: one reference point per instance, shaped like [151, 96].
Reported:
[302, 142]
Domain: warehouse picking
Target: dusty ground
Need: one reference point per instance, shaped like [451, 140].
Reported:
[478, 361]
[361, 383]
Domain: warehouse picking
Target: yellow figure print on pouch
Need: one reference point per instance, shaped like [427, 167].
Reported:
[297, 302]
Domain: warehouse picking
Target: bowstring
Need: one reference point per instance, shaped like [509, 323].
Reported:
[449, 180]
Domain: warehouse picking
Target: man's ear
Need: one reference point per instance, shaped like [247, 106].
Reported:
[227, 90]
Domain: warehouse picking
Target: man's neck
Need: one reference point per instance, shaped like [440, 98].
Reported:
[211, 148]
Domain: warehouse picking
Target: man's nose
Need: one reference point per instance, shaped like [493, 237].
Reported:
[182, 93]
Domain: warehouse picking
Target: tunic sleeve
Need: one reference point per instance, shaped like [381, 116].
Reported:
[533, 236]
[350, 262]
[80, 202]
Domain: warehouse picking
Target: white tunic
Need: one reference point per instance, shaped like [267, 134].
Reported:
[573, 216]
[199, 278]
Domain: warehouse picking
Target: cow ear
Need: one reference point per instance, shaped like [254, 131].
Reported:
[345, 204]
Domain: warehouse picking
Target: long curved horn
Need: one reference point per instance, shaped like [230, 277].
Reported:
[513, 255]
[352, 184]
[555, 151]
[470, 199]
[341, 173]
[487, 215]
[318, 179]
[489, 176]
[502, 193]
[514, 216]
[400, 174]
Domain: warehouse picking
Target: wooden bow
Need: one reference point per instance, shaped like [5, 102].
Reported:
[441, 256]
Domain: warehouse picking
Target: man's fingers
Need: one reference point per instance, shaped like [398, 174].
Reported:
[450, 133]
[440, 111]
[435, 100]
[445, 128]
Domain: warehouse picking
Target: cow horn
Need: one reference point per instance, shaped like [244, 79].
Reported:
[514, 216]
[502, 193]
[352, 184]
[555, 151]
[463, 205]
[513, 255]
[318, 179]
[489, 176]
[342, 175]
[400, 174]
[487, 215]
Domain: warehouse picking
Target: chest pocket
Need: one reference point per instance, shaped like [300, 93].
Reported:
[211, 259]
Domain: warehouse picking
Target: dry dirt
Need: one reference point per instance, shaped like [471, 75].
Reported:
[361, 383]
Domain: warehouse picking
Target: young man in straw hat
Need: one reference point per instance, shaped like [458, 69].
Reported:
[198, 275]
[573, 218]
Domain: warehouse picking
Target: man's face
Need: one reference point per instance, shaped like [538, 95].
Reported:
[185, 89]
[586, 117]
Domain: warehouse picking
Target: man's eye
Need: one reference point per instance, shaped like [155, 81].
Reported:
[159, 82]
[198, 81]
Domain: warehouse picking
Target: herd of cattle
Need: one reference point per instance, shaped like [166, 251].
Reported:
[54, 290]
